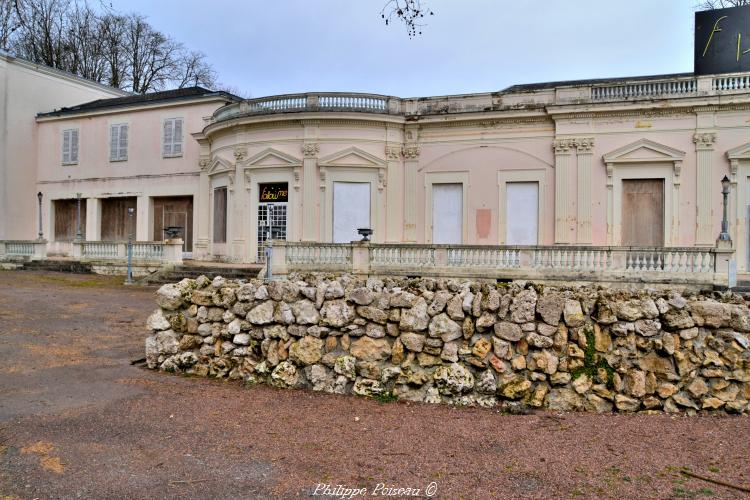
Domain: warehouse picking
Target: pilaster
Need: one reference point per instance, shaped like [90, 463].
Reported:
[706, 184]
[584, 155]
[394, 194]
[411, 154]
[562, 149]
[203, 206]
[311, 219]
[238, 198]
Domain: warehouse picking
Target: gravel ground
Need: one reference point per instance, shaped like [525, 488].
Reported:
[77, 420]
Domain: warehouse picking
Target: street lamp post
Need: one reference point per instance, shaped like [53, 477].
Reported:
[724, 235]
[129, 279]
[79, 236]
[40, 235]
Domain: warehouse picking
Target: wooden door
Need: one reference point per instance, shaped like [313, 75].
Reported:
[66, 219]
[117, 224]
[643, 212]
[175, 211]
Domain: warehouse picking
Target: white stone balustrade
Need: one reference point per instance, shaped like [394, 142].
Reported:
[23, 249]
[619, 89]
[700, 266]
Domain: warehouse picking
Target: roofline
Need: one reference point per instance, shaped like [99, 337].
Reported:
[41, 68]
[118, 108]
[591, 81]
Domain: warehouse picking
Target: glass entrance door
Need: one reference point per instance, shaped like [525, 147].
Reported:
[272, 215]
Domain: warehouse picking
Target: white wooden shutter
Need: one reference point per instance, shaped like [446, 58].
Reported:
[123, 152]
[114, 134]
[177, 139]
[168, 137]
[74, 145]
[66, 147]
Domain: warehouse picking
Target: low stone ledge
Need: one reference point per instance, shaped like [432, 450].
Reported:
[462, 342]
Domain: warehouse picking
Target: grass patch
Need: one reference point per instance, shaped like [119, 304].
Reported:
[386, 397]
[592, 362]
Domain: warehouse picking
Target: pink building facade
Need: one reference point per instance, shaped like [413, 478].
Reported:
[633, 162]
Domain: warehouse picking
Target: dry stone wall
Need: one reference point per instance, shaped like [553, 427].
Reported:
[461, 342]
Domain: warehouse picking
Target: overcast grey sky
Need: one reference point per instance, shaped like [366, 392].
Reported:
[282, 46]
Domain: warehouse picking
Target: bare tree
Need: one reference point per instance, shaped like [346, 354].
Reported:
[9, 21]
[721, 4]
[124, 51]
[410, 12]
[193, 70]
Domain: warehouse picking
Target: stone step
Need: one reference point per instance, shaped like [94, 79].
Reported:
[63, 266]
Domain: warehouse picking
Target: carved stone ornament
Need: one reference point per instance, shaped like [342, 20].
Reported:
[240, 153]
[203, 163]
[310, 149]
[563, 146]
[704, 140]
[411, 152]
[584, 144]
[393, 152]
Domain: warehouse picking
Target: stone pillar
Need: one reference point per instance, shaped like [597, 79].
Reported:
[93, 219]
[562, 181]
[143, 218]
[411, 165]
[312, 223]
[706, 185]
[203, 206]
[584, 154]
[394, 194]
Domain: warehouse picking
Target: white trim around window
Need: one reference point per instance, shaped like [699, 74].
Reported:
[172, 138]
[118, 142]
[70, 146]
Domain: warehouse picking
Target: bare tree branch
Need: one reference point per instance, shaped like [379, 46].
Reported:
[410, 12]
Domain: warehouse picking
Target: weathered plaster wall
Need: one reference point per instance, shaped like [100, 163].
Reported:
[464, 343]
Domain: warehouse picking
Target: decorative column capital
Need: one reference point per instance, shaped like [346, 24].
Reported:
[563, 146]
[203, 163]
[392, 152]
[310, 149]
[584, 145]
[704, 140]
[411, 152]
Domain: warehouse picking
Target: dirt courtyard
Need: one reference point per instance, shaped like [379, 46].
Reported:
[77, 420]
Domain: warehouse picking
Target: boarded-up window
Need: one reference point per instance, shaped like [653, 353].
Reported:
[643, 212]
[117, 223]
[447, 213]
[174, 211]
[220, 215]
[70, 146]
[172, 137]
[351, 210]
[522, 213]
[66, 219]
[118, 142]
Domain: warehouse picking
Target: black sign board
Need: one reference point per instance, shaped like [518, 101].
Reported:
[275, 192]
[722, 40]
